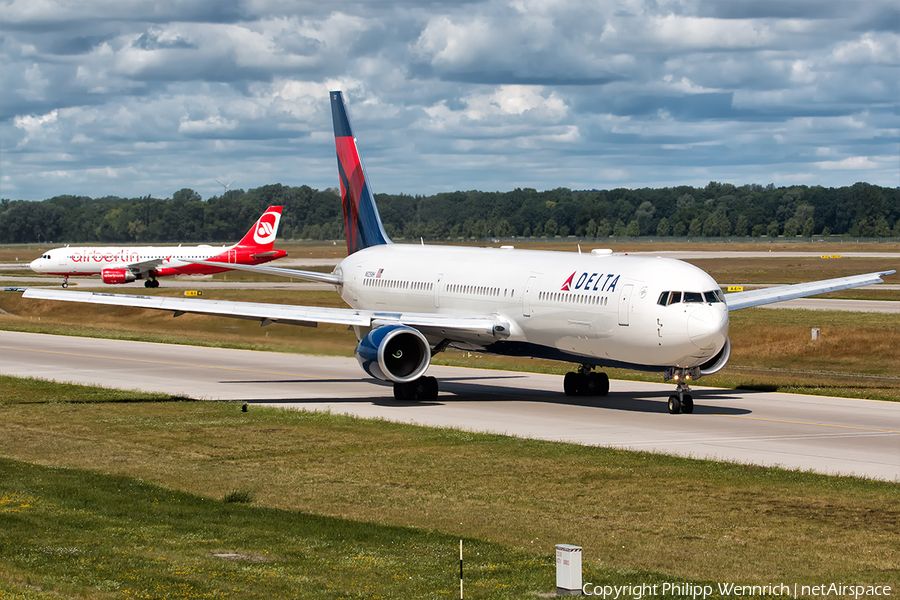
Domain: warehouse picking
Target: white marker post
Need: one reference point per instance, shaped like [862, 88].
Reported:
[460, 571]
[568, 570]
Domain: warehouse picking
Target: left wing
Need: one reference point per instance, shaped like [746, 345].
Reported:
[143, 268]
[456, 327]
[762, 296]
[278, 271]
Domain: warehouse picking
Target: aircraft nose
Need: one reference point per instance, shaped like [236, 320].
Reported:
[35, 264]
[708, 326]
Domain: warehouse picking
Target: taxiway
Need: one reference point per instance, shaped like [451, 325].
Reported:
[822, 434]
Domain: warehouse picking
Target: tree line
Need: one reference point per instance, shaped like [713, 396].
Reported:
[716, 210]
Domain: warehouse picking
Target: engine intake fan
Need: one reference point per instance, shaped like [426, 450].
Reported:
[394, 353]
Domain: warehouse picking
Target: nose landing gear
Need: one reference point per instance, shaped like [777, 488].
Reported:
[682, 401]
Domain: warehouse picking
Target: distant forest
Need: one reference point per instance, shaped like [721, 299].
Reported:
[719, 210]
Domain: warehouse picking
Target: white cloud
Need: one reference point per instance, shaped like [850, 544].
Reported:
[880, 48]
[852, 163]
[677, 31]
[214, 124]
[448, 43]
[35, 126]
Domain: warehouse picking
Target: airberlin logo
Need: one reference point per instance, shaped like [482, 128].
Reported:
[594, 282]
[264, 233]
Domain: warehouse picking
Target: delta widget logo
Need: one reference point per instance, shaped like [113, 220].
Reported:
[264, 233]
[594, 282]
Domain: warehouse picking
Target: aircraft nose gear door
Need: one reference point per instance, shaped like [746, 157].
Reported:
[625, 304]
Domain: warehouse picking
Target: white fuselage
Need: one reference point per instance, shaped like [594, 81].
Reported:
[599, 309]
[92, 260]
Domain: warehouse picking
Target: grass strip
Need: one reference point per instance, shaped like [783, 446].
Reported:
[72, 532]
[638, 515]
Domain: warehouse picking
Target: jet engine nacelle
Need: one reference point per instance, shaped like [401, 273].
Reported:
[717, 362]
[394, 353]
[117, 276]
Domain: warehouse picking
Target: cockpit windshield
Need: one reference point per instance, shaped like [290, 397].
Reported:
[711, 297]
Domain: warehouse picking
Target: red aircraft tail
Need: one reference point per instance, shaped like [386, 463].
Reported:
[261, 236]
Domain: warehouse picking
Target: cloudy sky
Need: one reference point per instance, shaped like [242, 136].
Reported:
[131, 97]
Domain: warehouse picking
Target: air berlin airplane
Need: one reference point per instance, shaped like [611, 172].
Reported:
[124, 264]
[411, 301]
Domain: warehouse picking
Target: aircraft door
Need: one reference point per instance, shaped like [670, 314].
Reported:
[232, 256]
[437, 291]
[526, 296]
[625, 304]
[357, 280]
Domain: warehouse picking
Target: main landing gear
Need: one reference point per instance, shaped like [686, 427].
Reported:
[151, 283]
[586, 383]
[423, 388]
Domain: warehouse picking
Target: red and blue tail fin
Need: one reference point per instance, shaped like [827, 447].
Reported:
[362, 223]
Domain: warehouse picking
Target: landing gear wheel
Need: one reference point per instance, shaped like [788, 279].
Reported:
[573, 384]
[586, 383]
[404, 392]
[148, 284]
[423, 388]
[65, 284]
[430, 388]
[598, 383]
[687, 404]
[674, 405]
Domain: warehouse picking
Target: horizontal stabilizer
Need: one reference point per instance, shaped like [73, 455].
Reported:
[276, 271]
[738, 300]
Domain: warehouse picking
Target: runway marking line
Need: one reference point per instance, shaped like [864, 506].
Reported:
[808, 423]
[162, 362]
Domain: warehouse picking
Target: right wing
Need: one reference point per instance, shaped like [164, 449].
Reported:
[454, 327]
[781, 293]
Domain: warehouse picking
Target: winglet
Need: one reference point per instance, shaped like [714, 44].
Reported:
[362, 223]
[738, 300]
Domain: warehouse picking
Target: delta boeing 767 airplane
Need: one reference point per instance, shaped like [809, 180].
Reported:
[411, 301]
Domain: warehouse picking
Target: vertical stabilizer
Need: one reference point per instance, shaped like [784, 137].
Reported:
[362, 223]
[261, 236]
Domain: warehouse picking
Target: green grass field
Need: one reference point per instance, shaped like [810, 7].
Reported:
[111, 494]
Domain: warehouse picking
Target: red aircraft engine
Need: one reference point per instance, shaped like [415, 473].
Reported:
[117, 276]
